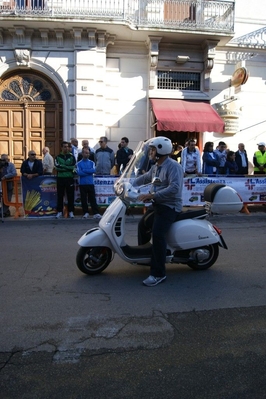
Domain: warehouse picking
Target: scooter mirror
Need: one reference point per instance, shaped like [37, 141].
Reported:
[156, 181]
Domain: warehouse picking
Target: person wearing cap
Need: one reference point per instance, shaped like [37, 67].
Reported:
[259, 159]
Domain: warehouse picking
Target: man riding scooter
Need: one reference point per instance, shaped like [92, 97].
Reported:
[166, 198]
[190, 239]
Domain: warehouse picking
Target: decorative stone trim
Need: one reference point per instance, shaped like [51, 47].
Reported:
[153, 46]
[208, 59]
[91, 37]
[77, 33]
[22, 57]
[59, 33]
[44, 37]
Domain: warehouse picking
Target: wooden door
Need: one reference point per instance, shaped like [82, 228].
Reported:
[30, 117]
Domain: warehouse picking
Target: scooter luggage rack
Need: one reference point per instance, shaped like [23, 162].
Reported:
[209, 195]
[222, 199]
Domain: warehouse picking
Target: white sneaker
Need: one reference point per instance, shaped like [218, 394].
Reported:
[59, 215]
[97, 216]
[151, 281]
[85, 216]
[71, 215]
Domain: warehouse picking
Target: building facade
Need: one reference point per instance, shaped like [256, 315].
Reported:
[87, 69]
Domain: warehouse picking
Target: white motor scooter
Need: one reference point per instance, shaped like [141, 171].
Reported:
[191, 240]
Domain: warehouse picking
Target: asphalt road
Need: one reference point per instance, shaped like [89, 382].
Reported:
[68, 335]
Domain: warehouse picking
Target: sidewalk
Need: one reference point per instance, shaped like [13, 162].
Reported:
[137, 212]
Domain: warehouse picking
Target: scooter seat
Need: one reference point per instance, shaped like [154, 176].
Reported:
[198, 213]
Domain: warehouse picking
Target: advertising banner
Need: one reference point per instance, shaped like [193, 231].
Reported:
[104, 190]
[252, 189]
[40, 194]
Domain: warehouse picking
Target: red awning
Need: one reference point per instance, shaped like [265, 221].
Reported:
[186, 116]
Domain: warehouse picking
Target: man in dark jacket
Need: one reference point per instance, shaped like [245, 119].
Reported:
[32, 167]
[65, 164]
[7, 171]
[104, 158]
[241, 160]
[123, 155]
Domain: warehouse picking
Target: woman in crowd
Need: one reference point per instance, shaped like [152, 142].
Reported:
[230, 166]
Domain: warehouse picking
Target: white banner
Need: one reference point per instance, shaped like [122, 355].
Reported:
[104, 189]
[252, 189]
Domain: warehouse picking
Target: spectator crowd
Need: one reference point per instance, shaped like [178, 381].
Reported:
[86, 162]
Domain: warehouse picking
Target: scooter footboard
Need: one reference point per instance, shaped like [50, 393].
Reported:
[191, 233]
[95, 238]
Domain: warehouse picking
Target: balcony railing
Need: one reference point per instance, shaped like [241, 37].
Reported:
[164, 14]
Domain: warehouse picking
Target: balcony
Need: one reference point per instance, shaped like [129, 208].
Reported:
[198, 15]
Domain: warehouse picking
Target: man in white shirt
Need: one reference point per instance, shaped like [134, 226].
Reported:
[85, 145]
[48, 161]
[74, 145]
[191, 159]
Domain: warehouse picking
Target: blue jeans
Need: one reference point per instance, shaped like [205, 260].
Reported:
[156, 222]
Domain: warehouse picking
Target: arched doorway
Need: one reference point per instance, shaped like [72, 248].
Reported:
[30, 116]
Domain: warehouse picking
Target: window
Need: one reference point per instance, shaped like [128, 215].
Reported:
[171, 80]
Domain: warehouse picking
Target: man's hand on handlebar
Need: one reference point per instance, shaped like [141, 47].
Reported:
[146, 197]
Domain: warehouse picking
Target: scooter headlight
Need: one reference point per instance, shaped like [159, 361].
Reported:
[119, 189]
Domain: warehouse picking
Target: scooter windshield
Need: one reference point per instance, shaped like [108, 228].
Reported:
[138, 164]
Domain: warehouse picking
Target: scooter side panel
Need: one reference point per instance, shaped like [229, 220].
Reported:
[95, 238]
[191, 233]
[113, 223]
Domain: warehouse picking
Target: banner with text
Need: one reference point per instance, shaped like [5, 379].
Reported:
[252, 189]
[40, 194]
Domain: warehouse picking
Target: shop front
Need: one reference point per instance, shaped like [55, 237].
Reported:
[179, 119]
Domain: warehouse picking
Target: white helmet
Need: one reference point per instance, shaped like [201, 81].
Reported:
[162, 144]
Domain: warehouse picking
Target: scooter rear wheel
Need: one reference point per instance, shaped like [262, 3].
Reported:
[93, 260]
[209, 261]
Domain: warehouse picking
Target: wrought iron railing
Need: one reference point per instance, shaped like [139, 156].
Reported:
[173, 14]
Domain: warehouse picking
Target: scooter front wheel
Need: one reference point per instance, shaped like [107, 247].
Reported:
[204, 257]
[93, 260]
